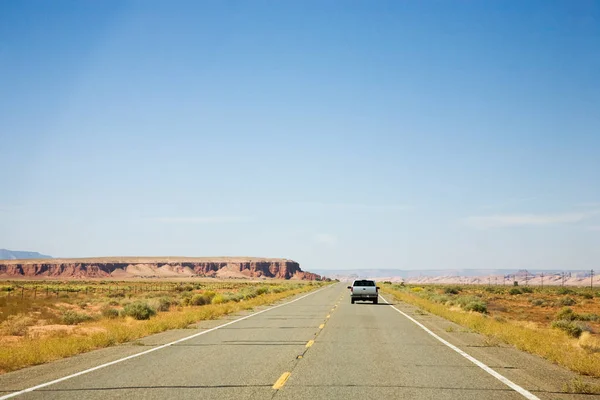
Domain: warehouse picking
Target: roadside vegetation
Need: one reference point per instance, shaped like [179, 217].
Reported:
[560, 324]
[41, 323]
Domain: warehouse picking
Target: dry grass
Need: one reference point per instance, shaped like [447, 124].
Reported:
[552, 344]
[589, 342]
[16, 325]
[580, 387]
[107, 330]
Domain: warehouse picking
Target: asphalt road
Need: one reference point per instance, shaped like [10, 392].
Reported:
[318, 347]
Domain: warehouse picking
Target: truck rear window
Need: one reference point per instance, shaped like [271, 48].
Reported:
[364, 283]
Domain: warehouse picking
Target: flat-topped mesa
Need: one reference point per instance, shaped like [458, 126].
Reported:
[156, 267]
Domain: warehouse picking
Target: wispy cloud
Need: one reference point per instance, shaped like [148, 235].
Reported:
[589, 204]
[511, 220]
[594, 228]
[219, 219]
[506, 203]
[355, 206]
[326, 238]
[7, 208]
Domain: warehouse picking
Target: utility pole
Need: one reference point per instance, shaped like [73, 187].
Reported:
[526, 278]
[592, 280]
[542, 280]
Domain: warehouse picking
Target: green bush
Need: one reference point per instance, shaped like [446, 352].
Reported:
[464, 300]
[538, 302]
[588, 295]
[564, 290]
[571, 328]
[71, 317]
[477, 306]
[452, 290]
[565, 314]
[200, 300]
[164, 303]
[184, 288]
[566, 301]
[262, 290]
[515, 291]
[526, 289]
[139, 310]
[584, 327]
[248, 294]
[588, 317]
[111, 313]
[237, 297]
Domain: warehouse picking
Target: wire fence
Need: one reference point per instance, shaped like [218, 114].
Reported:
[35, 291]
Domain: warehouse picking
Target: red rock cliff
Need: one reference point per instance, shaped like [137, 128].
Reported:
[155, 267]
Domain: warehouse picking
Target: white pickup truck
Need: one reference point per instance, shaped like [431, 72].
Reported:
[364, 290]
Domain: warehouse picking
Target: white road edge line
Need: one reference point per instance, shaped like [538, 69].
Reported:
[475, 361]
[31, 389]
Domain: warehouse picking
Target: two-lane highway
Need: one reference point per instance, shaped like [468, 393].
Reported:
[319, 346]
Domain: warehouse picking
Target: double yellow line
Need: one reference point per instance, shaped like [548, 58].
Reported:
[282, 380]
[286, 375]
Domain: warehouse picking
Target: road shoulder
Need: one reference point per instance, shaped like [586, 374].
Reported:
[533, 373]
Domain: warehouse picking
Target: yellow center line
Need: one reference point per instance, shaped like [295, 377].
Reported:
[321, 326]
[328, 316]
[310, 343]
[282, 380]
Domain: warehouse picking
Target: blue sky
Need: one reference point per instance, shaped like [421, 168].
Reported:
[354, 134]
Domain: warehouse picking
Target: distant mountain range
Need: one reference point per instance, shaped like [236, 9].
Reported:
[20, 255]
[447, 273]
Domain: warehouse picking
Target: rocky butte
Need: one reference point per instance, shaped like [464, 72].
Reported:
[155, 267]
